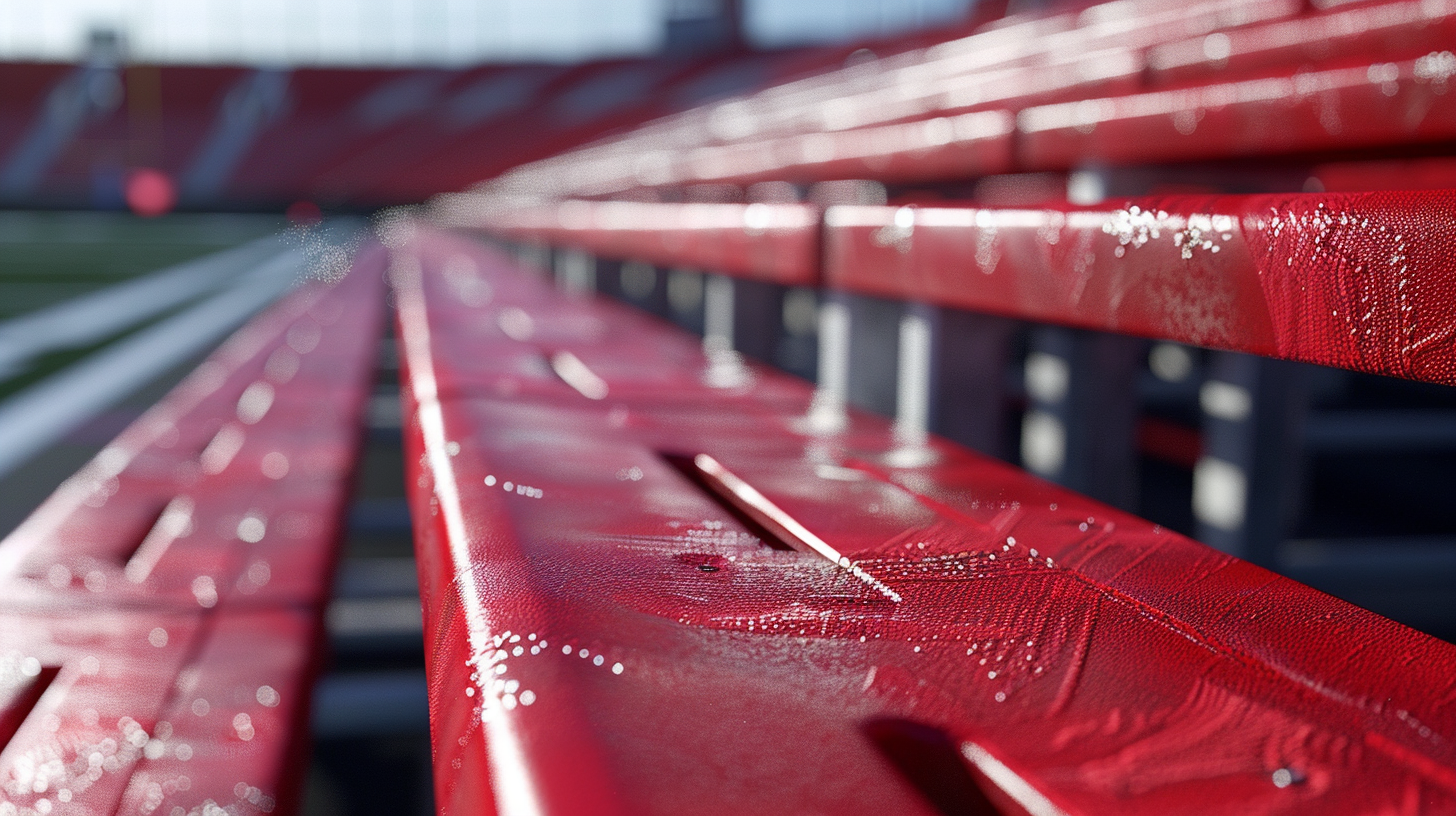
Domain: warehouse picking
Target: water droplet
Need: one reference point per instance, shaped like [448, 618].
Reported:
[204, 591]
[252, 529]
[1284, 777]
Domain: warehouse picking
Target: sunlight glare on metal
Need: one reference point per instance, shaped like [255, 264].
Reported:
[575, 373]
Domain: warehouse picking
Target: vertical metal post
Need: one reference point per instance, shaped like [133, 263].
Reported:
[1246, 485]
[684, 291]
[643, 285]
[968, 400]
[534, 258]
[576, 271]
[725, 365]
[874, 345]
[609, 278]
[914, 385]
[827, 412]
[1080, 426]
[757, 318]
[717, 314]
[798, 349]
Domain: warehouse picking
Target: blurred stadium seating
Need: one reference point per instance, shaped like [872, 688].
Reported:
[350, 139]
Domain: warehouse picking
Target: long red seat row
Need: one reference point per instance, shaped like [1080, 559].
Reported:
[1011, 47]
[649, 593]
[775, 242]
[1126, 89]
[1362, 104]
[1035, 57]
[1399, 27]
[161, 613]
[636, 475]
[1357, 281]
[363, 136]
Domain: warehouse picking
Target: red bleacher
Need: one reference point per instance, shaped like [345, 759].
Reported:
[163, 608]
[344, 137]
[1057, 82]
[607, 631]
[658, 577]
[775, 242]
[1355, 281]
[651, 588]
[1390, 29]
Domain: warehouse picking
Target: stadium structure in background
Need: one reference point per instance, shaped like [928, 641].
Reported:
[110, 133]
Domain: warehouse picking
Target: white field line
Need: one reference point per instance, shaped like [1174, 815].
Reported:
[41, 415]
[98, 315]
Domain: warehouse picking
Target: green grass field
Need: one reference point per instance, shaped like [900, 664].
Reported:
[47, 257]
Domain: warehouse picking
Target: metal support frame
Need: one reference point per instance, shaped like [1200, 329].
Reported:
[1079, 428]
[874, 349]
[575, 270]
[1247, 484]
[969, 404]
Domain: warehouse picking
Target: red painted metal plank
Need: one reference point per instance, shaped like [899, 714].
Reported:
[232, 488]
[939, 148]
[1372, 103]
[776, 242]
[247, 749]
[807, 130]
[1359, 281]
[160, 614]
[642, 355]
[1101, 46]
[922, 128]
[645, 156]
[1386, 30]
[137, 713]
[1388, 174]
[680, 601]
[84, 695]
